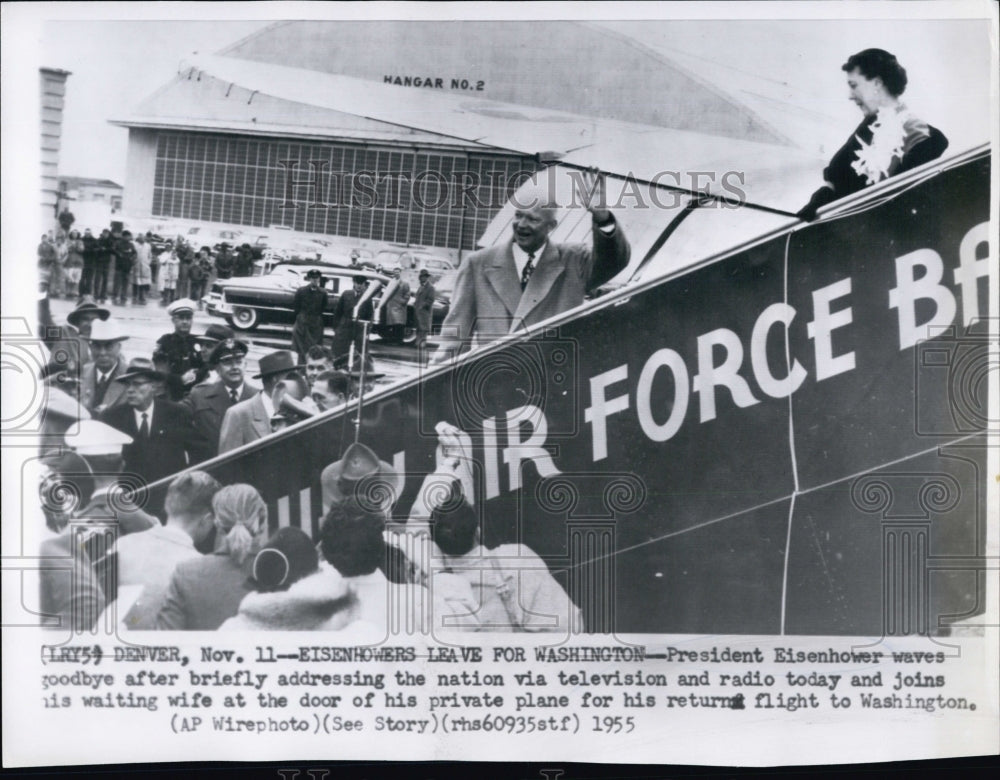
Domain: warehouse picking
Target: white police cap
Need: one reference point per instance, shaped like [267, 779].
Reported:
[92, 437]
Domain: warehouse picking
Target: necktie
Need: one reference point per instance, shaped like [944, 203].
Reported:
[100, 389]
[528, 270]
[144, 427]
[234, 395]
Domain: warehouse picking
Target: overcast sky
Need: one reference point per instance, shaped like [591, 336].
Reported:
[115, 65]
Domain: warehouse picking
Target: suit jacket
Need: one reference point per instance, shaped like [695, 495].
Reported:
[343, 310]
[148, 559]
[171, 444]
[396, 307]
[488, 302]
[209, 404]
[423, 305]
[72, 593]
[243, 423]
[204, 592]
[115, 394]
[344, 325]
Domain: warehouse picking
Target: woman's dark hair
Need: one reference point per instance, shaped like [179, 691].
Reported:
[879, 63]
[453, 528]
[287, 557]
[351, 539]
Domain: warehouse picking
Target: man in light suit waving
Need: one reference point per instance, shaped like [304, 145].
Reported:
[511, 286]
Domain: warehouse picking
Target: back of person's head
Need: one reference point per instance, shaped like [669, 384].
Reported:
[351, 539]
[337, 382]
[454, 528]
[287, 557]
[190, 496]
[878, 63]
[241, 517]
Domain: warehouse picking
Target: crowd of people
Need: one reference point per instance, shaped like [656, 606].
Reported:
[193, 397]
[215, 562]
[210, 561]
[134, 269]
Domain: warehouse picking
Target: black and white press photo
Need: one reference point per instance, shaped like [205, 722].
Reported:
[516, 383]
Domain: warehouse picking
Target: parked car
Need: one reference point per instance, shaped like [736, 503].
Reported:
[249, 302]
[199, 236]
[412, 260]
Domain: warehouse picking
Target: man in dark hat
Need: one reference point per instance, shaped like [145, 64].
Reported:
[346, 328]
[83, 316]
[423, 307]
[244, 261]
[164, 440]
[71, 350]
[98, 389]
[213, 334]
[179, 355]
[368, 380]
[209, 402]
[224, 261]
[250, 420]
[395, 304]
[309, 304]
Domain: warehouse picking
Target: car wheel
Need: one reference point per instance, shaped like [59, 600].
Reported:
[244, 319]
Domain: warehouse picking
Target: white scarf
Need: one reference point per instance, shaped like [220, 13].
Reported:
[888, 137]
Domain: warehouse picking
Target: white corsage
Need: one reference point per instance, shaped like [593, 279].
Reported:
[888, 136]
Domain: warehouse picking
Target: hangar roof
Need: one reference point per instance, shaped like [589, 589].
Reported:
[223, 93]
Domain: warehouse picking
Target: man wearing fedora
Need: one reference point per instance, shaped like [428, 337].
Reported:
[346, 329]
[80, 321]
[309, 304]
[250, 420]
[164, 440]
[98, 389]
[209, 402]
[68, 343]
[214, 333]
[395, 303]
[179, 354]
[423, 307]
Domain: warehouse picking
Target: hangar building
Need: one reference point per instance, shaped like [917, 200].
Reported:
[408, 132]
